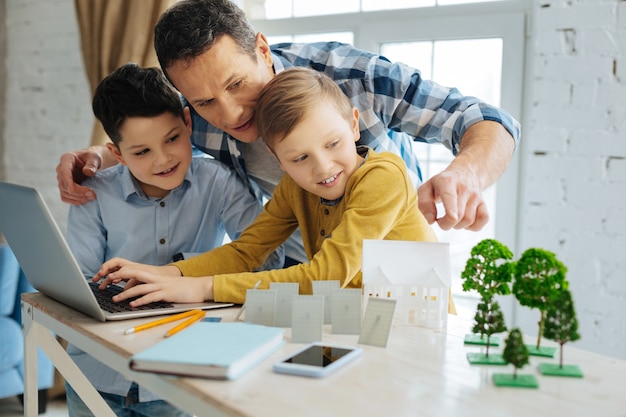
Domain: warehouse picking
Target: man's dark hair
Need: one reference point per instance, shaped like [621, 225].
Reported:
[190, 27]
[132, 91]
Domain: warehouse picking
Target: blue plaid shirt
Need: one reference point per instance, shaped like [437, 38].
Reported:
[396, 105]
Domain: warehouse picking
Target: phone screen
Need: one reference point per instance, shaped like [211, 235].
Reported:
[318, 355]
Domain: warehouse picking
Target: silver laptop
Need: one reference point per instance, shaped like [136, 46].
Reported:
[48, 263]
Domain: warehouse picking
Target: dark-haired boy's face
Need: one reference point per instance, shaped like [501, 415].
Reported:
[224, 83]
[156, 150]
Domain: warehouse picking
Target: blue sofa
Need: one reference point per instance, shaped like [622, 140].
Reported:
[12, 284]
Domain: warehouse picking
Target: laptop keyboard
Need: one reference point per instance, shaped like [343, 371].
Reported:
[104, 299]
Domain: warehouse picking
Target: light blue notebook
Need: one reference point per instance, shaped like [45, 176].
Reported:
[211, 350]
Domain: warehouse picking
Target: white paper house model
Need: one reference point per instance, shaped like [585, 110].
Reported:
[415, 274]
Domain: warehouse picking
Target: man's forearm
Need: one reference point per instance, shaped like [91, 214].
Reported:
[485, 152]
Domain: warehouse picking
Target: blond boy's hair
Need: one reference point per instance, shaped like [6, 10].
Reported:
[289, 95]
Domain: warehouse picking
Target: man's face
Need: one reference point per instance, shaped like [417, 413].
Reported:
[157, 151]
[223, 85]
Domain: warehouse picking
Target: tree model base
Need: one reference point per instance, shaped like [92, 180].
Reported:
[482, 359]
[545, 351]
[553, 369]
[519, 381]
[476, 339]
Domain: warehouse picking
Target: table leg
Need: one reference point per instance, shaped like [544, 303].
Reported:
[36, 335]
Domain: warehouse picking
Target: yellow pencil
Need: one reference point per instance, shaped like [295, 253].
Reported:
[162, 321]
[184, 324]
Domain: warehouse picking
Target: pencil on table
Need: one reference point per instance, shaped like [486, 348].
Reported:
[162, 321]
[184, 324]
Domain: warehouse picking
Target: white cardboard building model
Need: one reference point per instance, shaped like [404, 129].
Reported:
[416, 274]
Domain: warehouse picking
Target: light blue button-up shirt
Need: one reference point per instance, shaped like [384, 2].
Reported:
[211, 202]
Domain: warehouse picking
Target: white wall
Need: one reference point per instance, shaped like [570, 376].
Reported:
[48, 108]
[573, 152]
[574, 159]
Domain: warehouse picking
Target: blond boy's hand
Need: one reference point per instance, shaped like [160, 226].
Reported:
[117, 270]
[174, 289]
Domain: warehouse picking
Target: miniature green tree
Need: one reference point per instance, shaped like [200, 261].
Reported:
[561, 324]
[515, 351]
[539, 277]
[488, 320]
[487, 270]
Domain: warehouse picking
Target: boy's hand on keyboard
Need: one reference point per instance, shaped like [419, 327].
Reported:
[158, 283]
[173, 289]
[118, 269]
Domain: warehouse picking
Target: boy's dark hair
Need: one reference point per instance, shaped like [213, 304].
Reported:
[190, 27]
[132, 91]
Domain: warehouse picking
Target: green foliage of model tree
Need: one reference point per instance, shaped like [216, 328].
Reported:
[515, 351]
[539, 278]
[487, 270]
[561, 323]
[488, 320]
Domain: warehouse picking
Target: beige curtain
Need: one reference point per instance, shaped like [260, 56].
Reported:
[114, 32]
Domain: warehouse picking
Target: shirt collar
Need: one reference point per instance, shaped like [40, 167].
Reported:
[279, 64]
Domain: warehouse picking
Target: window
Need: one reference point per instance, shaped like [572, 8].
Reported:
[285, 9]
[438, 60]
[344, 37]
[477, 48]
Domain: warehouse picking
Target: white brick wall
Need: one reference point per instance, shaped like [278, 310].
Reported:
[574, 160]
[48, 108]
[573, 151]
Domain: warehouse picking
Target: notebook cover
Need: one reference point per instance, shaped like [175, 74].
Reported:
[211, 350]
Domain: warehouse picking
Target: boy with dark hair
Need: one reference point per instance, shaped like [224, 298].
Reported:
[156, 203]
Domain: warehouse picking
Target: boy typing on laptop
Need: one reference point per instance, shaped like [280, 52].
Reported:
[156, 203]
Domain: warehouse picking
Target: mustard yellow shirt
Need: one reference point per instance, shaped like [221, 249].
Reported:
[380, 202]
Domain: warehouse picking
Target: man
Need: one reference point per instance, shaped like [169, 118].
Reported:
[212, 56]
